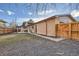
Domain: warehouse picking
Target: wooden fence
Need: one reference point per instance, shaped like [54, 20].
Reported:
[5, 30]
[70, 30]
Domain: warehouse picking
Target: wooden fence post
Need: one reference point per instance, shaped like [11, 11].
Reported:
[46, 27]
[56, 30]
[70, 29]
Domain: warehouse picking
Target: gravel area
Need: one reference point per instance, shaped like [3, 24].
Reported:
[41, 47]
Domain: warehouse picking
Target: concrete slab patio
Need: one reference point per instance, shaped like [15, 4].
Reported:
[49, 38]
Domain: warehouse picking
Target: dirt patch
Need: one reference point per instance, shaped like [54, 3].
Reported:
[7, 36]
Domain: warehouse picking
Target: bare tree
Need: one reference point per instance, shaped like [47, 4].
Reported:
[30, 21]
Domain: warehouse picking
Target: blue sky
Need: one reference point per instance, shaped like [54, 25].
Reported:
[25, 11]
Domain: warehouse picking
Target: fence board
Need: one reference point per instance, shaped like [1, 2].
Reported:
[70, 30]
[5, 30]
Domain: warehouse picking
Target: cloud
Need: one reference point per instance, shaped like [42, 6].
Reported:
[1, 10]
[75, 13]
[10, 12]
[41, 13]
[30, 13]
[46, 12]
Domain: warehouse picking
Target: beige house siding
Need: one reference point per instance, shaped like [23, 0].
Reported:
[47, 27]
[65, 19]
[41, 28]
[31, 29]
[51, 27]
[2, 24]
[35, 28]
[28, 28]
[57, 21]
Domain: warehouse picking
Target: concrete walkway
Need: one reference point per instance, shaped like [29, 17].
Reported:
[49, 38]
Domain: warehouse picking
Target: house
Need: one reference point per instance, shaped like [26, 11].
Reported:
[31, 28]
[47, 26]
[2, 26]
[2, 23]
[23, 27]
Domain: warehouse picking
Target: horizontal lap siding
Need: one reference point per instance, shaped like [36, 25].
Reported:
[35, 28]
[41, 28]
[1, 31]
[51, 27]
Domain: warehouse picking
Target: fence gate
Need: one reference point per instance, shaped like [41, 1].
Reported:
[63, 30]
[70, 30]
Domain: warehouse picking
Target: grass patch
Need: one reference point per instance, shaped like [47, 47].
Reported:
[18, 37]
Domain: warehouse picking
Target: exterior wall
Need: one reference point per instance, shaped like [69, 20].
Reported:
[35, 29]
[57, 21]
[51, 27]
[65, 19]
[47, 27]
[28, 28]
[2, 24]
[22, 30]
[41, 28]
[31, 29]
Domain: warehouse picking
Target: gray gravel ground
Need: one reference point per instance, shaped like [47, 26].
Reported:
[41, 47]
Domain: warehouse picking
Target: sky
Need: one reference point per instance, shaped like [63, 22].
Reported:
[21, 12]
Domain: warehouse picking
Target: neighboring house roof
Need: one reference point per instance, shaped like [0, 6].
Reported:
[18, 26]
[3, 21]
